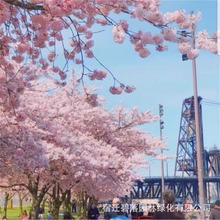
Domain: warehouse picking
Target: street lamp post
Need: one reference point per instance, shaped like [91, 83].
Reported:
[167, 168]
[161, 138]
[199, 147]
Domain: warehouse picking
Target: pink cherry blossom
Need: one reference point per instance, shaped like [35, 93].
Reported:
[63, 75]
[184, 47]
[78, 61]
[158, 39]
[115, 90]
[88, 34]
[206, 42]
[124, 24]
[138, 46]
[52, 43]
[118, 34]
[129, 89]
[98, 75]
[146, 38]
[59, 36]
[192, 54]
[170, 34]
[161, 48]
[144, 52]
[55, 69]
[101, 21]
[155, 17]
[56, 24]
[139, 12]
[18, 59]
[69, 55]
[92, 99]
[178, 16]
[22, 48]
[89, 54]
[81, 28]
[73, 43]
[89, 44]
[51, 56]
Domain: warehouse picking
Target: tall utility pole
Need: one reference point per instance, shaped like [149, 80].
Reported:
[161, 138]
[199, 147]
[199, 144]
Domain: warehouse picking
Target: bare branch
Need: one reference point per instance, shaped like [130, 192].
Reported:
[12, 185]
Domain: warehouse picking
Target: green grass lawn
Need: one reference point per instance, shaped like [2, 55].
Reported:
[14, 213]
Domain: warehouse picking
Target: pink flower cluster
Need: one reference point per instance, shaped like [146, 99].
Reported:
[118, 90]
[92, 99]
[115, 90]
[186, 48]
[13, 82]
[141, 39]
[118, 34]
[98, 75]
[206, 42]
[148, 10]
[183, 20]
[170, 34]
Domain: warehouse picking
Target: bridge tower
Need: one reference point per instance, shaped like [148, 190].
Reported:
[186, 184]
[213, 171]
[186, 162]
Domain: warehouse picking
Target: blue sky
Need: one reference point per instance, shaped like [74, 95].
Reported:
[163, 78]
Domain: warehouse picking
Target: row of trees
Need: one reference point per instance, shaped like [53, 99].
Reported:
[62, 140]
[55, 204]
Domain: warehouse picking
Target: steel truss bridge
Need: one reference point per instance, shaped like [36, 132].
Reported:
[185, 180]
[184, 187]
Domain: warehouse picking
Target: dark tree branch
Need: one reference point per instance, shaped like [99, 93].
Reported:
[24, 5]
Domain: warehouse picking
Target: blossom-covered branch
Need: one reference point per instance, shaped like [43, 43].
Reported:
[58, 34]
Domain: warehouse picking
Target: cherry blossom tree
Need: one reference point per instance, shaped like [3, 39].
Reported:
[68, 139]
[23, 195]
[82, 132]
[58, 34]
[23, 159]
[9, 193]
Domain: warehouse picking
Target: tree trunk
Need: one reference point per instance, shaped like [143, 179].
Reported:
[67, 201]
[82, 198]
[6, 204]
[20, 202]
[56, 201]
[58, 197]
[35, 206]
[21, 196]
[37, 197]
[56, 210]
